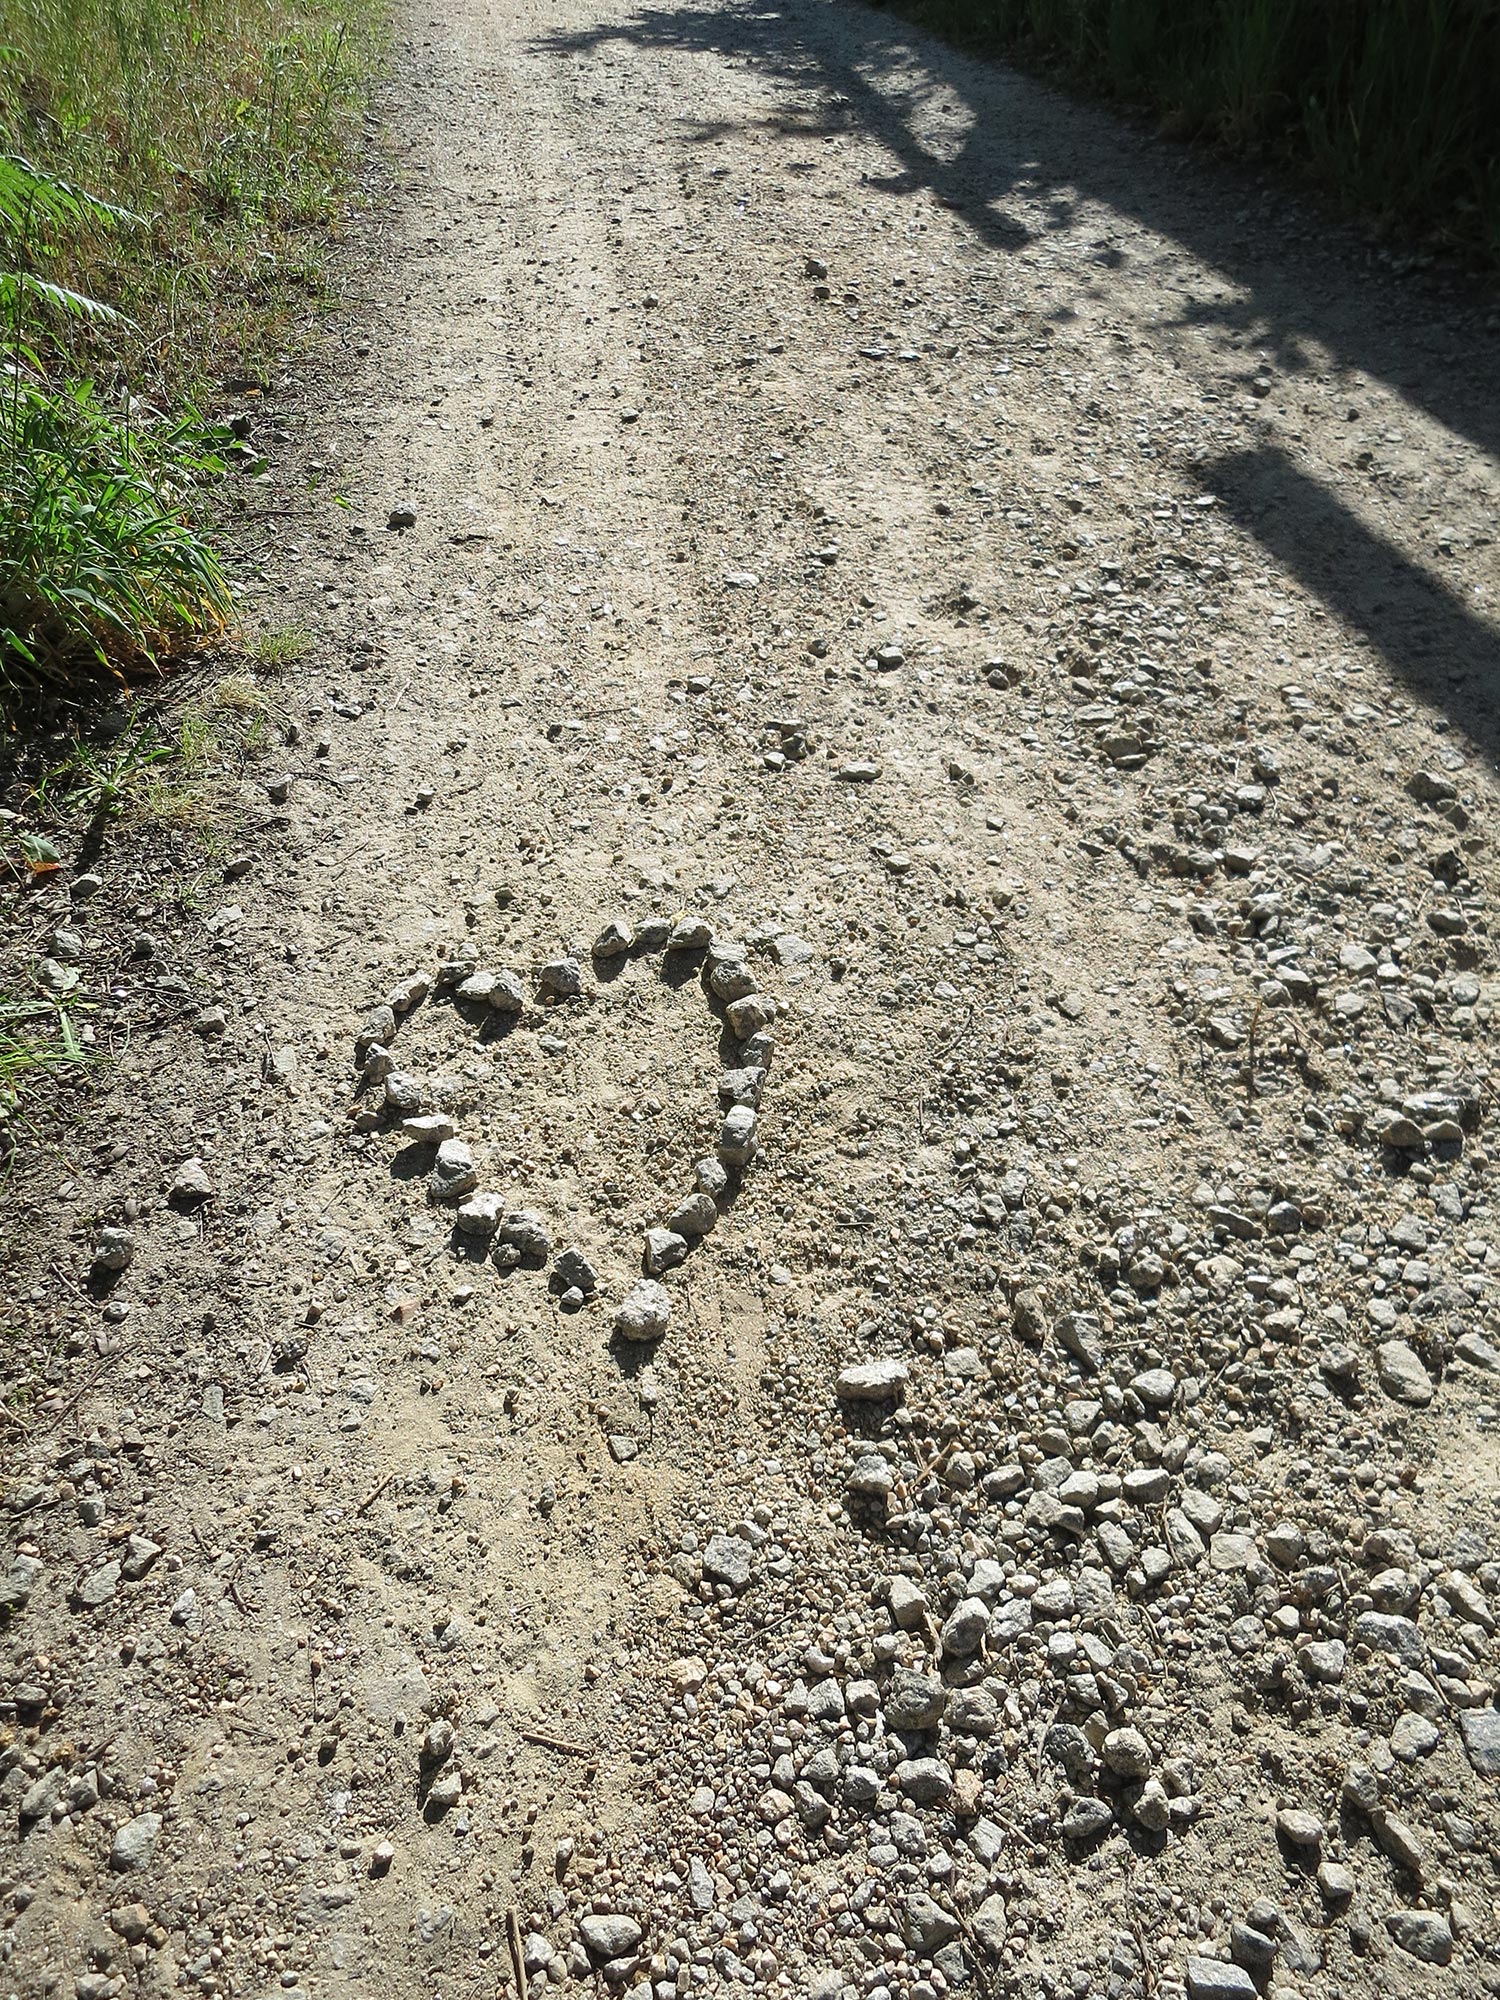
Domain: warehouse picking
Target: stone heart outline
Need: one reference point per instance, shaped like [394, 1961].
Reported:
[483, 1227]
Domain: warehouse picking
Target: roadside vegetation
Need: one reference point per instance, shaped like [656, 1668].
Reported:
[170, 171]
[171, 174]
[1393, 105]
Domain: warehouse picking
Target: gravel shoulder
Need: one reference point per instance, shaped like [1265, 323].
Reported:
[904, 693]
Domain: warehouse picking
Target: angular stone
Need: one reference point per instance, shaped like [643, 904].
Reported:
[1480, 1729]
[613, 941]
[928, 1925]
[573, 1269]
[1385, 1632]
[1127, 1753]
[645, 1311]
[727, 1560]
[98, 1587]
[1424, 1934]
[609, 1937]
[190, 1185]
[479, 1215]
[873, 1381]
[18, 1582]
[1413, 1736]
[116, 1248]
[1402, 1375]
[135, 1842]
[454, 1172]
[908, 1604]
[665, 1249]
[926, 1781]
[562, 978]
[1299, 1827]
[914, 1700]
[737, 1135]
[1087, 1820]
[965, 1627]
[1324, 1660]
[1218, 1979]
[524, 1230]
[694, 1217]
[1229, 1552]
[989, 1925]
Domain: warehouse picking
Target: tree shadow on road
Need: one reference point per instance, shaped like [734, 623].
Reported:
[1023, 165]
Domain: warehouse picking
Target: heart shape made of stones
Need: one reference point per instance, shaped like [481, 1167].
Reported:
[393, 1099]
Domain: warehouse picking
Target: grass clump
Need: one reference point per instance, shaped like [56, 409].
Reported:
[169, 172]
[36, 1040]
[280, 647]
[1393, 104]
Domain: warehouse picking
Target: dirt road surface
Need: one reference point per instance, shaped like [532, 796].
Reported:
[1020, 600]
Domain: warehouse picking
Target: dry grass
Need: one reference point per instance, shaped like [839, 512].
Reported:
[227, 125]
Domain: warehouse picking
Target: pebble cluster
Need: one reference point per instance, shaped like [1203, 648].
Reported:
[519, 1236]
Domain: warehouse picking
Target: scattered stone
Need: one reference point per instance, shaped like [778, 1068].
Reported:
[1413, 1736]
[608, 1938]
[645, 1311]
[114, 1251]
[1127, 1753]
[1480, 1729]
[523, 1231]
[1424, 1934]
[191, 1184]
[1087, 1820]
[430, 1129]
[1218, 1979]
[737, 1136]
[479, 1216]
[690, 934]
[694, 1217]
[1402, 1375]
[135, 1842]
[454, 1173]
[561, 979]
[727, 1560]
[665, 1249]
[1300, 1828]
[98, 1586]
[612, 942]
[873, 1381]
[573, 1269]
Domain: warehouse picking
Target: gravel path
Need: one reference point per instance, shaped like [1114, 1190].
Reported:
[922, 731]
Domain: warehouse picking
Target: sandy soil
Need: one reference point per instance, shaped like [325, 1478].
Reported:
[1007, 574]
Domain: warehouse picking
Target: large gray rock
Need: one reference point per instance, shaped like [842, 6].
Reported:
[610, 1937]
[928, 1925]
[988, 1924]
[1402, 1375]
[18, 1582]
[1218, 1979]
[873, 1381]
[1386, 1632]
[1480, 1728]
[645, 1311]
[965, 1627]
[98, 1587]
[135, 1842]
[727, 1560]
[1425, 1934]
[914, 1701]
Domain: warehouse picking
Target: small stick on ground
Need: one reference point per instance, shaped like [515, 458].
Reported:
[517, 1961]
[374, 1494]
[546, 1742]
